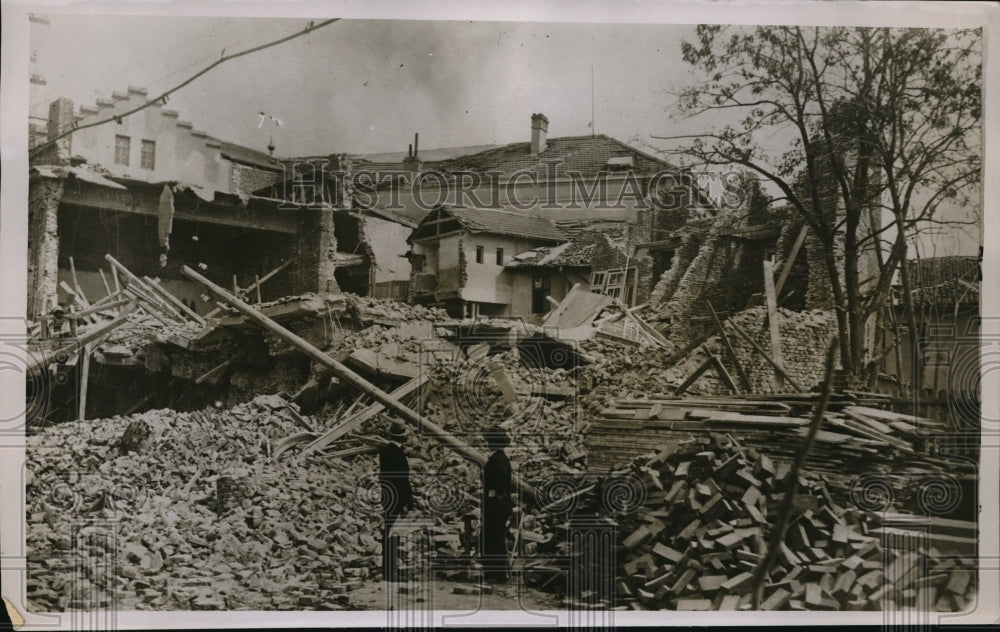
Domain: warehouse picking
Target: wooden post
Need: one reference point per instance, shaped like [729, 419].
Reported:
[772, 321]
[791, 259]
[744, 380]
[361, 383]
[256, 284]
[84, 378]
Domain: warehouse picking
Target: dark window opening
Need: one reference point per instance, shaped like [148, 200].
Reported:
[499, 256]
[479, 254]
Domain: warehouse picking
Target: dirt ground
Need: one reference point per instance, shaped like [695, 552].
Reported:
[441, 595]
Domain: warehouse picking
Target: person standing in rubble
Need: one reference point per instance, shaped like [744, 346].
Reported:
[396, 495]
[497, 507]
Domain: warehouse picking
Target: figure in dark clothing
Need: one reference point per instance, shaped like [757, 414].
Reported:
[394, 479]
[497, 508]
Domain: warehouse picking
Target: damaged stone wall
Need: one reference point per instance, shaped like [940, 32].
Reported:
[44, 196]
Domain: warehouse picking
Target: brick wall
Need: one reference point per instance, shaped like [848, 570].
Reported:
[43, 244]
[248, 179]
[804, 339]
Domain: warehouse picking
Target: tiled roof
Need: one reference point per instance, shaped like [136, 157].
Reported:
[427, 155]
[507, 223]
[584, 247]
[945, 280]
[586, 154]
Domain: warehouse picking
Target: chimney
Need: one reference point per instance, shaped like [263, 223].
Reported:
[60, 116]
[539, 131]
[412, 161]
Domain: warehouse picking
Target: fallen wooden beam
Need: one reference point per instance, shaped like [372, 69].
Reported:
[350, 422]
[772, 323]
[757, 348]
[156, 287]
[36, 361]
[791, 259]
[744, 380]
[362, 384]
[257, 284]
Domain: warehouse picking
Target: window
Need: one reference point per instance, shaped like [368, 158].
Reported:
[479, 254]
[499, 256]
[417, 261]
[147, 159]
[596, 281]
[122, 146]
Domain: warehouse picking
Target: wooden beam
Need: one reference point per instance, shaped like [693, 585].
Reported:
[104, 280]
[361, 383]
[744, 380]
[763, 354]
[140, 288]
[772, 322]
[724, 374]
[156, 287]
[84, 379]
[37, 361]
[694, 376]
[257, 284]
[350, 422]
[791, 259]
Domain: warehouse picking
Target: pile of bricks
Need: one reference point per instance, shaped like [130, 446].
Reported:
[705, 527]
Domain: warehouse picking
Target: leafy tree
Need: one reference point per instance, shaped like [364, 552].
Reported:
[871, 119]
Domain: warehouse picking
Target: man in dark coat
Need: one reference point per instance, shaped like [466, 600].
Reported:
[394, 480]
[497, 507]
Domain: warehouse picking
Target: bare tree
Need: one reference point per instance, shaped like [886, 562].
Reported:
[872, 119]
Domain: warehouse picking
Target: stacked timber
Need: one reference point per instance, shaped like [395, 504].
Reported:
[707, 523]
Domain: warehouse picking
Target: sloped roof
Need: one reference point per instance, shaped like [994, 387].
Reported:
[584, 247]
[249, 156]
[586, 154]
[945, 280]
[507, 223]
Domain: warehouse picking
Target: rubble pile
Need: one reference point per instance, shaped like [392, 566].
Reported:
[202, 517]
[707, 513]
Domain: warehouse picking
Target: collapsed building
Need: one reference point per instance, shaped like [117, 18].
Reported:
[658, 366]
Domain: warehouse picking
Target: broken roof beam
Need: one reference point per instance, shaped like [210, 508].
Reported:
[390, 402]
[256, 284]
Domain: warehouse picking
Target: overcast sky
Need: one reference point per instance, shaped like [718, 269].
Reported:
[367, 86]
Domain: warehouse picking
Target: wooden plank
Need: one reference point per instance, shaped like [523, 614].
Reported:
[155, 285]
[744, 380]
[791, 259]
[720, 369]
[256, 285]
[704, 366]
[84, 380]
[772, 321]
[104, 280]
[763, 354]
[353, 421]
